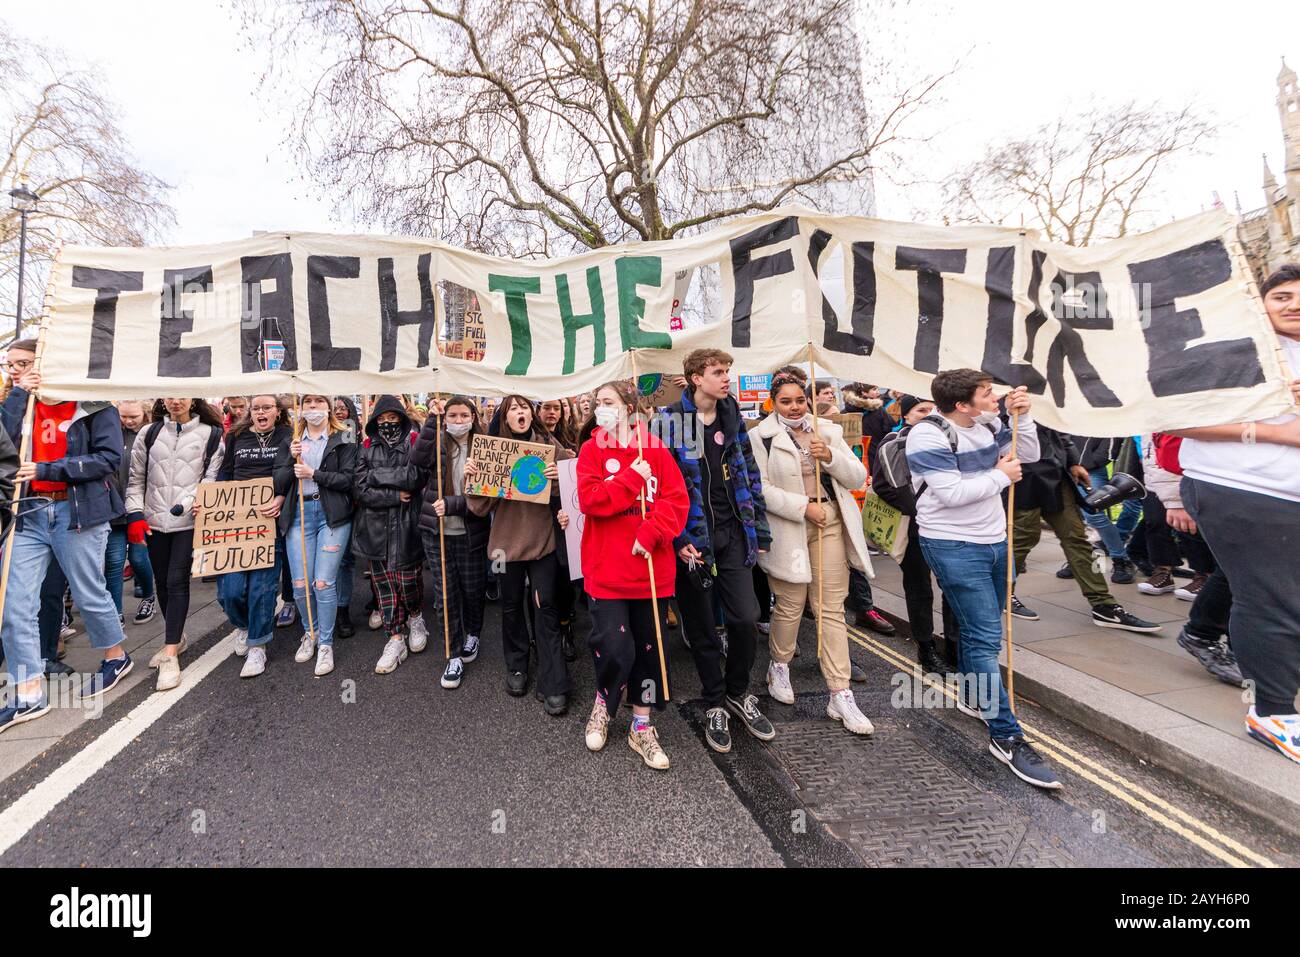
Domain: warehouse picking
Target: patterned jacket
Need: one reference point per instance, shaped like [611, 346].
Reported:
[679, 429]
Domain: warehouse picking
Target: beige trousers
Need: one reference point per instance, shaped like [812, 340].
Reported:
[787, 612]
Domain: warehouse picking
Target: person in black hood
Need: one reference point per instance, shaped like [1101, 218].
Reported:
[386, 529]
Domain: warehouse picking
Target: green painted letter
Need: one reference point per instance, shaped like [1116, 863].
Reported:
[636, 271]
[572, 323]
[521, 335]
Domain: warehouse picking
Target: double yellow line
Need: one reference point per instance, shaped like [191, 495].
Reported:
[1152, 806]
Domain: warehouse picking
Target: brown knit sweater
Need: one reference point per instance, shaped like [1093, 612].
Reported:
[521, 531]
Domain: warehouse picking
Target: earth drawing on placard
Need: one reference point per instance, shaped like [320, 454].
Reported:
[528, 475]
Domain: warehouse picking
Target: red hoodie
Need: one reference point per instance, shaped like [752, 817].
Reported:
[608, 493]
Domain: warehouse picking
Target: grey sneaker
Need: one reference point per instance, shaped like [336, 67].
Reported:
[1215, 656]
[1024, 762]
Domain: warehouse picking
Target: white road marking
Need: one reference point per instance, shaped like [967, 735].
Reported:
[30, 809]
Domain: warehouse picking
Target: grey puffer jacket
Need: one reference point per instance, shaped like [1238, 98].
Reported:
[175, 471]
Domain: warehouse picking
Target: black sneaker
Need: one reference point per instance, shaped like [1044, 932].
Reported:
[18, 713]
[754, 720]
[111, 671]
[452, 674]
[57, 668]
[1215, 656]
[1021, 611]
[1024, 762]
[1065, 571]
[516, 684]
[856, 673]
[716, 733]
[1114, 616]
[1123, 572]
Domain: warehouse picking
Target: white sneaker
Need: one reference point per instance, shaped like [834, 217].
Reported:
[241, 642]
[376, 620]
[324, 660]
[158, 655]
[306, 648]
[843, 707]
[419, 634]
[255, 663]
[470, 651]
[778, 683]
[169, 673]
[394, 654]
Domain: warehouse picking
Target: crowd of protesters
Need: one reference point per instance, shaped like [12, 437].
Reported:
[747, 521]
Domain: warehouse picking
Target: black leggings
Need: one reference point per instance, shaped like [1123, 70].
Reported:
[170, 554]
[624, 652]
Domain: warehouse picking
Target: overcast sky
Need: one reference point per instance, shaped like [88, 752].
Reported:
[187, 88]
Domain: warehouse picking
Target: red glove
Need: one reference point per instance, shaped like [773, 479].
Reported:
[136, 531]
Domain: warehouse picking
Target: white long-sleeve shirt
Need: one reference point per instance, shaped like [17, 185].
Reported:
[1261, 467]
[963, 496]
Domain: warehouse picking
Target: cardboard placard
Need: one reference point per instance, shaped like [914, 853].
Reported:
[510, 469]
[851, 423]
[229, 534]
[885, 525]
[569, 502]
[657, 390]
[474, 338]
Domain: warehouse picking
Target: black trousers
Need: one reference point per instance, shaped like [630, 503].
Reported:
[763, 594]
[860, 598]
[1164, 546]
[1255, 538]
[1208, 618]
[466, 580]
[170, 554]
[918, 591]
[734, 586]
[552, 670]
[50, 618]
[623, 652]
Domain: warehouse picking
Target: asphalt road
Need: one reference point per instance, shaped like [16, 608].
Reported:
[362, 769]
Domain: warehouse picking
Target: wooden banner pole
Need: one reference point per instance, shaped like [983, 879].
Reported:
[298, 430]
[650, 563]
[817, 467]
[1011, 566]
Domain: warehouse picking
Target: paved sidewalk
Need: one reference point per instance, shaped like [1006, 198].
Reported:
[1142, 691]
[21, 744]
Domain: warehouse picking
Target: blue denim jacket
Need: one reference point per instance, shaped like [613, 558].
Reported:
[88, 468]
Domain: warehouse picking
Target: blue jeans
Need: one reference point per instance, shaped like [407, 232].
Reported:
[120, 551]
[45, 535]
[248, 599]
[974, 580]
[1113, 536]
[325, 550]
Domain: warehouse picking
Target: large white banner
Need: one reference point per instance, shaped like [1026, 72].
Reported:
[1151, 332]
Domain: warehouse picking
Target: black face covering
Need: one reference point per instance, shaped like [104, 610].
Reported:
[390, 432]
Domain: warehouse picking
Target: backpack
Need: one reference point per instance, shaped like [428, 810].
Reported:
[892, 481]
[215, 436]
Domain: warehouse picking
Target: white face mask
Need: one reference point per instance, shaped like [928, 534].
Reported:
[457, 429]
[989, 417]
[606, 416]
[315, 416]
[792, 423]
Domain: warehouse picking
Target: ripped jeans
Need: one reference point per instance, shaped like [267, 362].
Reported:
[325, 550]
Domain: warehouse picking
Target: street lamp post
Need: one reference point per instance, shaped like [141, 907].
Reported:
[23, 200]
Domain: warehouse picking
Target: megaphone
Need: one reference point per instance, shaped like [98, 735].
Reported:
[1120, 488]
